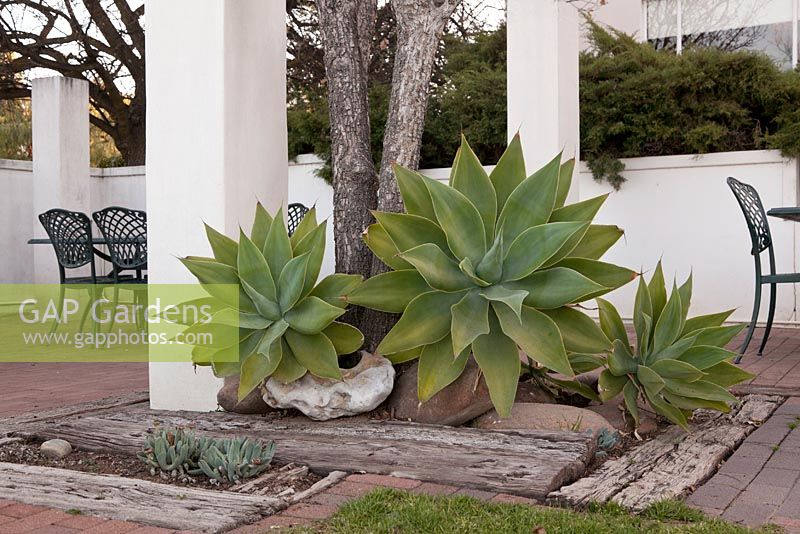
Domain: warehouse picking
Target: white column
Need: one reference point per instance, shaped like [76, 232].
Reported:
[542, 63]
[216, 142]
[60, 123]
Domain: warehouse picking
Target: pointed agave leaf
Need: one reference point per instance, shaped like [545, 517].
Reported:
[611, 323]
[438, 270]
[685, 403]
[726, 374]
[273, 333]
[470, 320]
[621, 362]
[531, 203]
[404, 355]
[491, 266]
[685, 292]
[642, 307]
[699, 389]
[556, 287]
[307, 225]
[583, 363]
[606, 274]
[576, 387]
[498, 357]
[509, 172]
[314, 352]
[678, 370]
[533, 247]
[408, 231]
[704, 356]
[610, 385]
[289, 369]
[537, 335]
[579, 331]
[438, 368]
[426, 320]
[334, 287]
[210, 272]
[580, 212]
[596, 241]
[718, 336]
[416, 198]
[312, 315]
[564, 181]
[513, 298]
[658, 291]
[222, 369]
[254, 269]
[705, 321]
[468, 269]
[669, 324]
[389, 292]
[262, 304]
[256, 368]
[669, 411]
[630, 394]
[290, 283]
[261, 224]
[672, 352]
[346, 338]
[471, 180]
[312, 244]
[460, 220]
[224, 248]
[277, 249]
[384, 248]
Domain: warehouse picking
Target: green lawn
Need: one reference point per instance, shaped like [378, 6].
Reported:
[394, 511]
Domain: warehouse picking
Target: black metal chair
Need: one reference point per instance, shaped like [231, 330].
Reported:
[295, 214]
[761, 240]
[125, 233]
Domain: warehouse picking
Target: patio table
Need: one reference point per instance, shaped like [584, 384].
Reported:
[789, 213]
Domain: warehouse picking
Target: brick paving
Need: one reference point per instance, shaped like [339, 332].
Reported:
[779, 368]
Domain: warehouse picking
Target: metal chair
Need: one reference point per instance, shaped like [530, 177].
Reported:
[295, 214]
[761, 240]
[125, 233]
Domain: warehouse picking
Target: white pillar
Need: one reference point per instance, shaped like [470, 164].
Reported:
[542, 63]
[60, 123]
[216, 142]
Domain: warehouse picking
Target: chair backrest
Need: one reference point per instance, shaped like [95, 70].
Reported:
[754, 214]
[295, 214]
[125, 232]
[71, 235]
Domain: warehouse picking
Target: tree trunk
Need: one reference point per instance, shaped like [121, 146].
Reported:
[420, 24]
[346, 28]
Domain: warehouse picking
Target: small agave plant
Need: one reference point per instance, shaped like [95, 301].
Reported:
[286, 321]
[679, 364]
[489, 265]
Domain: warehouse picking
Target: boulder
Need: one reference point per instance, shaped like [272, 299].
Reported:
[228, 399]
[362, 389]
[538, 416]
[55, 449]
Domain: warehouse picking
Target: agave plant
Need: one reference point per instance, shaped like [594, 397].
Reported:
[678, 364]
[286, 321]
[489, 265]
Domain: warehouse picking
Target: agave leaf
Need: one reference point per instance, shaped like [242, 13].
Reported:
[408, 231]
[491, 266]
[219, 280]
[669, 324]
[231, 317]
[577, 387]
[314, 352]
[405, 355]
[610, 385]
[645, 350]
[470, 320]
[346, 339]
[277, 250]
[307, 225]
[678, 370]
[672, 352]
[606, 274]
[537, 335]
[533, 247]
[471, 180]
[468, 269]
[596, 241]
[579, 212]
[669, 411]
[254, 270]
[565, 174]
[438, 368]
[263, 305]
[509, 172]
[222, 369]
[658, 291]
[261, 224]
[416, 198]
[248, 344]
[390, 292]
[531, 203]
[291, 282]
[579, 331]
[289, 369]
[705, 321]
[556, 287]
[513, 298]
[270, 335]
[718, 336]
[426, 320]
[214, 335]
[620, 361]
[312, 315]
[256, 368]
[642, 307]
[253, 321]
[312, 244]
[583, 363]
[438, 270]
[224, 248]
[611, 323]
[460, 220]
[686, 403]
[700, 389]
[334, 287]
[630, 394]
[705, 356]
[725, 374]
[685, 292]
[384, 248]
[498, 357]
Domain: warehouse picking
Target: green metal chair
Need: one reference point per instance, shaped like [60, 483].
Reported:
[761, 239]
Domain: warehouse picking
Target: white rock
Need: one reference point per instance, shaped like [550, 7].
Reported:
[55, 449]
[363, 388]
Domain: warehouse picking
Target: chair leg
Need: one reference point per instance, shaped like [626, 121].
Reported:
[61, 289]
[756, 306]
[772, 298]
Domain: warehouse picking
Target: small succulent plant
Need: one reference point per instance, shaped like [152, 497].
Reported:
[233, 460]
[287, 322]
[173, 451]
[678, 364]
[490, 265]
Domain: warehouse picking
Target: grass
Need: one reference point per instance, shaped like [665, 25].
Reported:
[394, 511]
